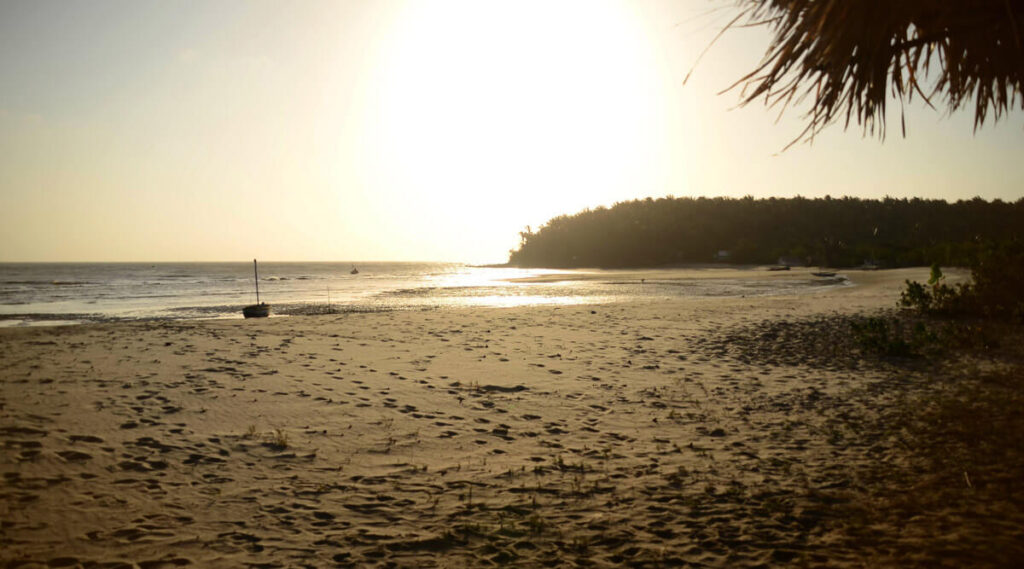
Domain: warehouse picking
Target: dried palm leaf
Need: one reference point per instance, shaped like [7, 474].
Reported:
[850, 56]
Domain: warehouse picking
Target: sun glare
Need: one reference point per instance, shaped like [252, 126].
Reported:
[545, 108]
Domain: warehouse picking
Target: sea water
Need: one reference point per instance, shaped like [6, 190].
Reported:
[59, 293]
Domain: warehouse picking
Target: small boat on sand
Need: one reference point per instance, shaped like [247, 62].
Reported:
[260, 309]
[823, 274]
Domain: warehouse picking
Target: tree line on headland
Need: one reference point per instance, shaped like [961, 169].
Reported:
[825, 231]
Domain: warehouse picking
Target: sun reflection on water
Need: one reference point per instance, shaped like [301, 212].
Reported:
[500, 287]
[493, 276]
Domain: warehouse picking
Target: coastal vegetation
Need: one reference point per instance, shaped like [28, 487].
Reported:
[835, 232]
[993, 293]
[940, 320]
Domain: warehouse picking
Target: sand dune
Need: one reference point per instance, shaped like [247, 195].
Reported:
[641, 434]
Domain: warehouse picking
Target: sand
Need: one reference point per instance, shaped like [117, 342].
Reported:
[641, 434]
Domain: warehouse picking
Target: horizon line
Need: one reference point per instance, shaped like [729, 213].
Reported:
[8, 262]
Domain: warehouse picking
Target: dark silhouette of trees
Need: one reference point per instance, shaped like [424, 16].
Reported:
[827, 231]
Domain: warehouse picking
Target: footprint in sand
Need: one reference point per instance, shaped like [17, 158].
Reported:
[74, 456]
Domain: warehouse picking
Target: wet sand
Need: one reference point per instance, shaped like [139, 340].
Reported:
[641, 434]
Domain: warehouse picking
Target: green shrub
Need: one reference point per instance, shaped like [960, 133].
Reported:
[998, 276]
[995, 292]
[899, 337]
[936, 297]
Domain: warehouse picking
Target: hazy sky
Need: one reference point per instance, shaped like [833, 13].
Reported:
[423, 130]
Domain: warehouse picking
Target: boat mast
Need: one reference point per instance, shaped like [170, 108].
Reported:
[257, 276]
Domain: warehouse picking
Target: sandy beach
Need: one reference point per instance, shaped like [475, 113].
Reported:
[696, 432]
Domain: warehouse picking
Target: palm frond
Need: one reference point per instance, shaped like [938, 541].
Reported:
[849, 56]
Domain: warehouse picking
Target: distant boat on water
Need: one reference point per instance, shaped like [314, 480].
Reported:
[260, 309]
[354, 271]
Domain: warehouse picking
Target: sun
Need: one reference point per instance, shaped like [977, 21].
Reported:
[512, 112]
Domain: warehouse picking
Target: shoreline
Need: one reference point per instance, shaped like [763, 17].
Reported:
[639, 434]
[590, 277]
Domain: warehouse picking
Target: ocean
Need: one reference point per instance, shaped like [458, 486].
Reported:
[34, 294]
